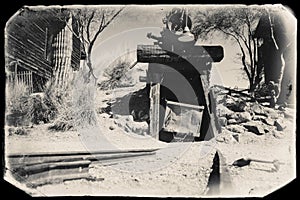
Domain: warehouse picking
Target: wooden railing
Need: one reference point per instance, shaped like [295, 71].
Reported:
[24, 77]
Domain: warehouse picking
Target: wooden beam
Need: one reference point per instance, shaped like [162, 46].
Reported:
[154, 110]
[72, 153]
[155, 54]
[212, 124]
[185, 105]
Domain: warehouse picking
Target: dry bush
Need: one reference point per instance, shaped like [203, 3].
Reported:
[61, 99]
[117, 76]
[35, 108]
[74, 103]
[40, 109]
[16, 95]
[67, 107]
[83, 101]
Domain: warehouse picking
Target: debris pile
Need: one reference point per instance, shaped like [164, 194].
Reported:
[240, 116]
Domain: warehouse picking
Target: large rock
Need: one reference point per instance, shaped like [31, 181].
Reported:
[223, 121]
[255, 127]
[240, 117]
[279, 125]
[232, 121]
[236, 105]
[127, 123]
[268, 121]
[258, 117]
[223, 111]
[257, 109]
[236, 128]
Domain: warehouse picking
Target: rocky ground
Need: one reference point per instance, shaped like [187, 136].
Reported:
[249, 130]
[255, 131]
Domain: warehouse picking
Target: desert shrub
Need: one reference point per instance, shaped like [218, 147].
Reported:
[65, 107]
[18, 131]
[16, 96]
[40, 109]
[60, 99]
[117, 76]
[83, 102]
[35, 107]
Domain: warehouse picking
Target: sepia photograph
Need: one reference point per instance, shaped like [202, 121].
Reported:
[178, 100]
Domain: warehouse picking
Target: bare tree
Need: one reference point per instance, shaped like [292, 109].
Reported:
[238, 23]
[91, 22]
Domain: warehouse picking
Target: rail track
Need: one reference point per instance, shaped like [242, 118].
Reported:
[35, 169]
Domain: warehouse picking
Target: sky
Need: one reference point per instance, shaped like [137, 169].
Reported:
[130, 29]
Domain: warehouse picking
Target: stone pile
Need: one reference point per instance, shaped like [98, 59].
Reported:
[240, 117]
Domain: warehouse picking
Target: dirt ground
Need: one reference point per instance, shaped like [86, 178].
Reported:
[177, 169]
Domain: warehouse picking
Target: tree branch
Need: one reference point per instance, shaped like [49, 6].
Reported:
[243, 52]
[102, 27]
[88, 26]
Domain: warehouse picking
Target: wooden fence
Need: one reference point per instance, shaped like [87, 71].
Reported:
[24, 77]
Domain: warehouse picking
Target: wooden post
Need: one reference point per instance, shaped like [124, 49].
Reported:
[154, 105]
[212, 126]
[154, 110]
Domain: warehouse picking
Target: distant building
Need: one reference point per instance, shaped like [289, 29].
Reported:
[41, 42]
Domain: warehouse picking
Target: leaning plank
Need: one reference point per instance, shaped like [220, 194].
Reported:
[27, 161]
[48, 166]
[37, 154]
[58, 179]
[116, 156]
[57, 172]
[185, 105]
[212, 126]
[154, 110]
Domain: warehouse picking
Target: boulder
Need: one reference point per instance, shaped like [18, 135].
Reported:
[127, 123]
[268, 121]
[258, 109]
[257, 128]
[238, 105]
[258, 117]
[244, 116]
[223, 111]
[222, 121]
[232, 121]
[236, 128]
[279, 125]
[240, 117]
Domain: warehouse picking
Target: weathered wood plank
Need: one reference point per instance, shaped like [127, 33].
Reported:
[70, 153]
[47, 166]
[29, 66]
[57, 172]
[58, 179]
[14, 43]
[24, 32]
[32, 61]
[155, 54]
[185, 105]
[212, 126]
[154, 110]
